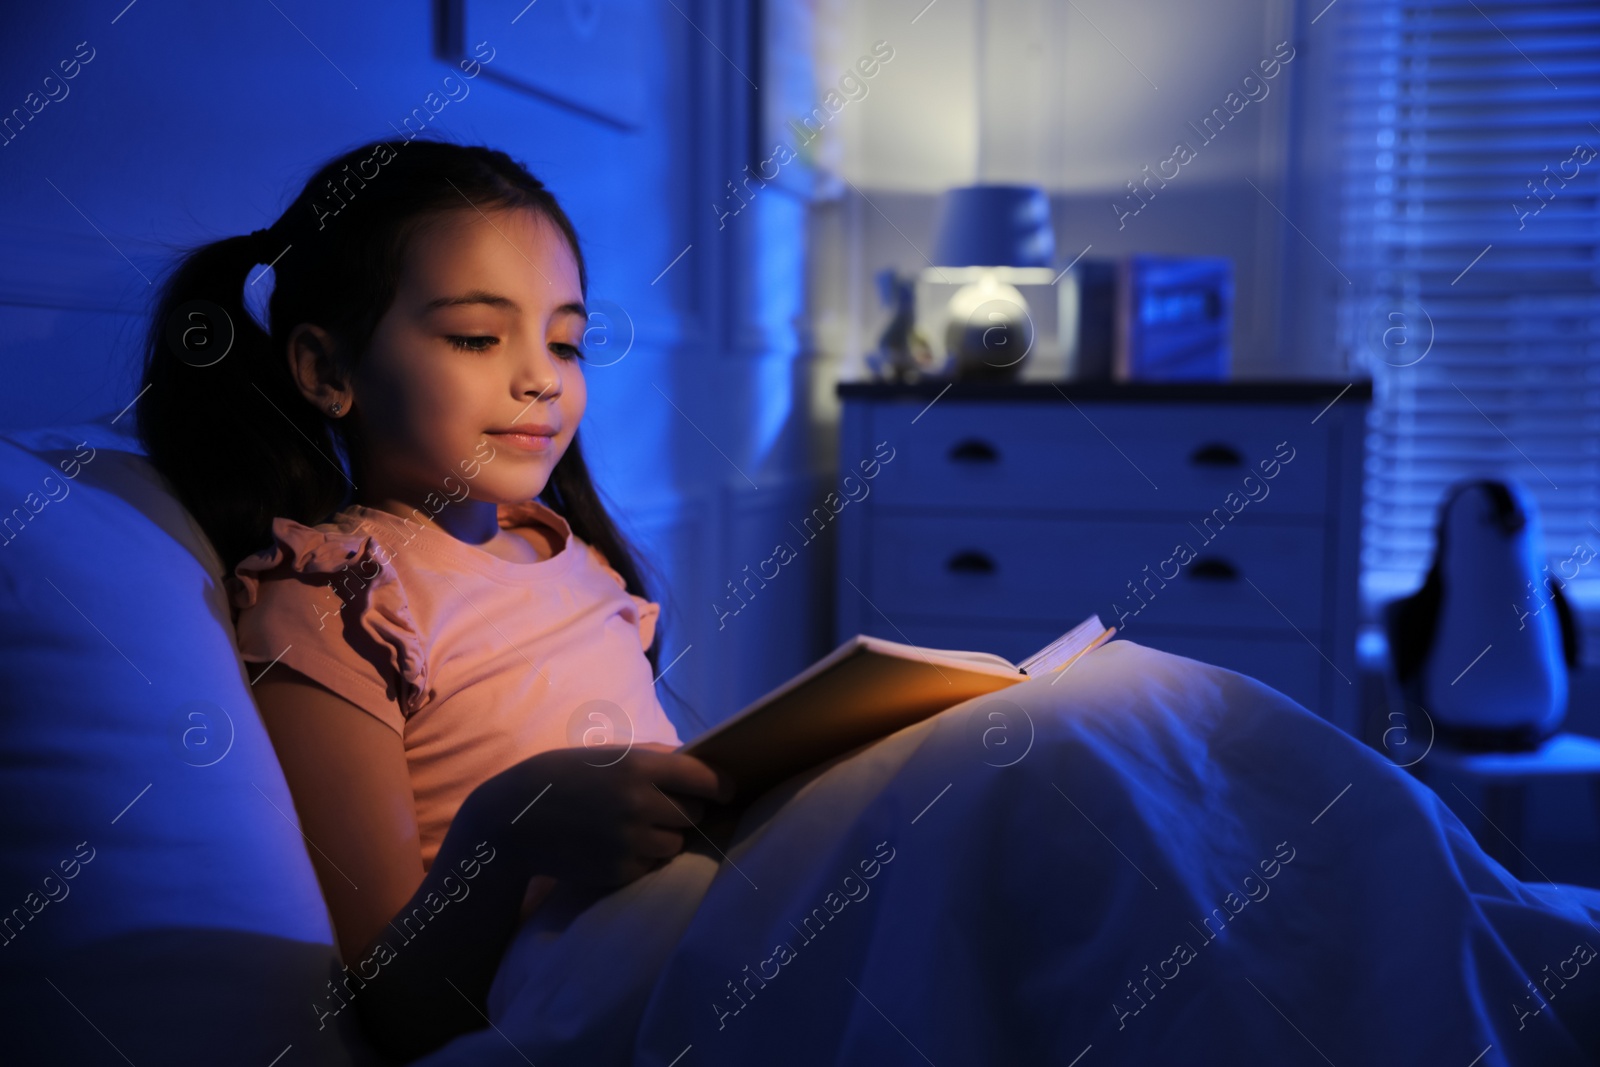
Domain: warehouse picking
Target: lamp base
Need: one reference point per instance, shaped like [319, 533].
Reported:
[989, 331]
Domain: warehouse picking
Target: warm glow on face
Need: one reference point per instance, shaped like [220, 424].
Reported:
[484, 334]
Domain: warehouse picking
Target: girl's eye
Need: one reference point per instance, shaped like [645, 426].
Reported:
[482, 344]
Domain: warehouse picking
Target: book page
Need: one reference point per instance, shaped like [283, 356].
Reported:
[942, 654]
[1065, 648]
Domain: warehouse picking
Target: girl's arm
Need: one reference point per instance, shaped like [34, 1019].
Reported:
[352, 790]
[603, 823]
[347, 773]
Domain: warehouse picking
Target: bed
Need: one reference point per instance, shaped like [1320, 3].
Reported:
[1147, 858]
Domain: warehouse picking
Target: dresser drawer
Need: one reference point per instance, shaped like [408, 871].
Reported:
[1100, 455]
[1019, 569]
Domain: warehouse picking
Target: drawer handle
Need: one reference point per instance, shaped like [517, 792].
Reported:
[970, 562]
[974, 451]
[1216, 455]
[1213, 570]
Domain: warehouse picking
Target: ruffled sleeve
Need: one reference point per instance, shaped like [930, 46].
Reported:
[328, 603]
[648, 610]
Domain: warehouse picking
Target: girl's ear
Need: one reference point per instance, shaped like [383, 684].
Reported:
[315, 370]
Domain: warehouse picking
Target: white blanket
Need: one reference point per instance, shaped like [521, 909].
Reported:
[1144, 860]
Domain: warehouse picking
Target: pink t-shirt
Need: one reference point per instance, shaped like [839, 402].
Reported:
[477, 662]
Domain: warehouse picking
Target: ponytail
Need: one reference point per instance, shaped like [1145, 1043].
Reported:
[220, 415]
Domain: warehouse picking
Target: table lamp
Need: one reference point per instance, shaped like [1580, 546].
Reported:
[992, 227]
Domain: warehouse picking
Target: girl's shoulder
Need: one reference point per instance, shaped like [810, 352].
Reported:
[330, 547]
[288, 591]
[344, 545]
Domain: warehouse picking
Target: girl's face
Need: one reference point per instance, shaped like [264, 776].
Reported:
[483, 338]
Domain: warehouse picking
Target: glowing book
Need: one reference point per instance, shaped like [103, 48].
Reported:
[865, 689]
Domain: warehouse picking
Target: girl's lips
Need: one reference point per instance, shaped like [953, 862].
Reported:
[526, 441]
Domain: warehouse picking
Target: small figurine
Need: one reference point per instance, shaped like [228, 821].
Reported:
[903, 354]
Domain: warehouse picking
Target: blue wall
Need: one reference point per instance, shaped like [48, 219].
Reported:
[189, 121]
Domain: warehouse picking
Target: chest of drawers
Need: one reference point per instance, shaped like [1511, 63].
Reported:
[1219, 521]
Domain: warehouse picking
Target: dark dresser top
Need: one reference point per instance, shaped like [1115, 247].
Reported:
[1279, 391]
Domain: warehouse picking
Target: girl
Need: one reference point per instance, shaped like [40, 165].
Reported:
[445, 617]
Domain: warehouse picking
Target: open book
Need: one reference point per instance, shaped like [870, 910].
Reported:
[865, 689]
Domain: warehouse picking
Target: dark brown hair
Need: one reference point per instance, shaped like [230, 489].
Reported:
[235, 438]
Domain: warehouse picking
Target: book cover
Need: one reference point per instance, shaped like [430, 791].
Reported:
[865, 689]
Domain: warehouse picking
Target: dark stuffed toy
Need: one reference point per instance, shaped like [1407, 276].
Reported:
[1484, 645]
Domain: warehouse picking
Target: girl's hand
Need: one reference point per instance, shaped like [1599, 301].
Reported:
[610, 813]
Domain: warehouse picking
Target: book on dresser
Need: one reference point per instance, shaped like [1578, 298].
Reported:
[865, 689]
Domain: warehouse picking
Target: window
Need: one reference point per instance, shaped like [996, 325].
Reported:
[1470, 212]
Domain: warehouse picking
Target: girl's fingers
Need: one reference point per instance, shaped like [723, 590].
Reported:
[658, 844]
[677, 773]
[675, 811]
[656, 806]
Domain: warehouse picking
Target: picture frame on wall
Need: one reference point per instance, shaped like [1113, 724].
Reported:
[589, 58]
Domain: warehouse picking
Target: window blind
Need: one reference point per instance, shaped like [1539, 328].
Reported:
[1469, 225]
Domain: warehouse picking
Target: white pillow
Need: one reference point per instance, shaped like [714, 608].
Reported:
[157, 901]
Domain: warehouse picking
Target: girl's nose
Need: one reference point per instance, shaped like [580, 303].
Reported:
[543, 379]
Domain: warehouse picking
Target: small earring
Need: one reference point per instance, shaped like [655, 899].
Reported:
[334, 410]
